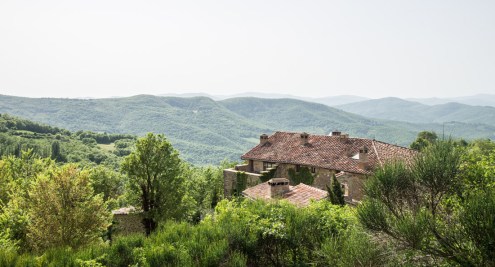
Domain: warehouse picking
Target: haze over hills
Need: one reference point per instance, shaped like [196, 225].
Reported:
[329, 100]
[473, 100]
[206, 131]
[402, 110]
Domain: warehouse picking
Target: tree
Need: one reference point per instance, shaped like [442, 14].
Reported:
[426, 208]
[16, 176]
[154, 171]
[424, 139]
[63, 210]
[335, 194]
[107, 182]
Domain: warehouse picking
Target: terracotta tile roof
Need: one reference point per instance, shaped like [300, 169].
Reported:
[260, 191]
[299, 195]
[329, 152]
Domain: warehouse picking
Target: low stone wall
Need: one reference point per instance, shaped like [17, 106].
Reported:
[242, 168]
[125, 224]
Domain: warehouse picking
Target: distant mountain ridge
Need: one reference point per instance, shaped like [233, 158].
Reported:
[329, 100]
[473, 100]
[391, 108]
[207, 131]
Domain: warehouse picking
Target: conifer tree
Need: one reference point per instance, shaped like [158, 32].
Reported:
[335, 193]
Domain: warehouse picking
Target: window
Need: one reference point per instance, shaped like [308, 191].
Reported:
[313, 169]
[267, 165]
[345, 189]
[298, 168]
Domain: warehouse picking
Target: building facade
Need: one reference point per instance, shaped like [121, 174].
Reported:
[296, 155]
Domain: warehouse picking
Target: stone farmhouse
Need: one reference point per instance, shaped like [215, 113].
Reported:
[286, 153]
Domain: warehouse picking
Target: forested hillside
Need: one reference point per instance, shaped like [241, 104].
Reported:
[207, 131]
[392, 108]
[84, 147]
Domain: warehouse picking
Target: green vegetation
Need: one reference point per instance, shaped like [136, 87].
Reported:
[207, 131]
[424, 139]
[241, 183]
[238, 233]
[437, 208]
[335, 193]
[156, 180]
[267, 175]
[17, 135]
[303, 175]
[74, 216]
[435, 211]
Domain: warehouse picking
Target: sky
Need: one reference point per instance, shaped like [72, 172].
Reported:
[440, 48]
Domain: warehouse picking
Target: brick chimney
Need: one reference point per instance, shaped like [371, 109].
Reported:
[363, 158]
[263, 139]
[304, 139]
[278, 186]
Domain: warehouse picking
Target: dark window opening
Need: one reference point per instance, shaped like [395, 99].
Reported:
[298, 168]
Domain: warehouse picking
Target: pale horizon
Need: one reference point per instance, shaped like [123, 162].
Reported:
[373, 49]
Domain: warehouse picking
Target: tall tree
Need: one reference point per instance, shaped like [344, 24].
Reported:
[424, 139]
[16, 176]
[63, 210]
[154, 171]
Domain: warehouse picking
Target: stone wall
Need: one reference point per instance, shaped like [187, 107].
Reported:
[257, 166]
[125, 224]
[355, 183]
[283, 170]
[322, 178]
[230, 181]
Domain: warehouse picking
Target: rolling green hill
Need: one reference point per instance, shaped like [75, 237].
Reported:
[402, 110]
[207, 131]
[85, 148]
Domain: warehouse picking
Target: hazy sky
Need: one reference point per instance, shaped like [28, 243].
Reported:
[307, 48]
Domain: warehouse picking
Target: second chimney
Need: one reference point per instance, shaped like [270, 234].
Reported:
[263, 139]
[304, 139]
[278, 186]
[363, 157]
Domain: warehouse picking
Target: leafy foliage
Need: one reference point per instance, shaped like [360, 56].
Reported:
[19, 135]
[267, 175]
[302, 176]
[241, 182]
[335, 194]
[154, 171]
[75, 217]
[239, 233]
[427, 207]
[424, 139]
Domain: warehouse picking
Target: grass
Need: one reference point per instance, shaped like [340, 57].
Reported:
[107, 148]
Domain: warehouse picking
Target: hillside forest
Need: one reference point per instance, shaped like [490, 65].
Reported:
[435, 211]
[207, 132]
